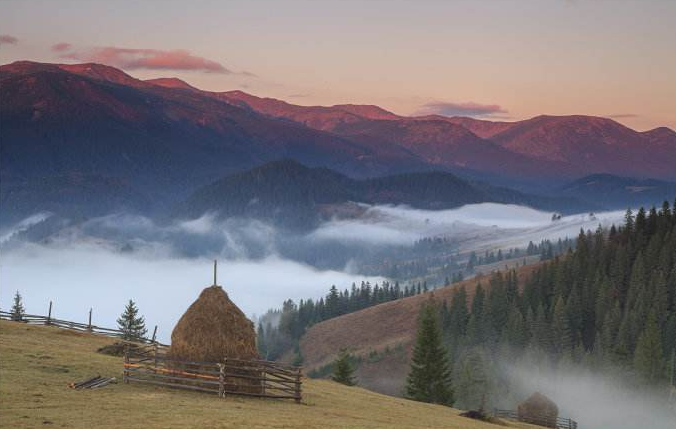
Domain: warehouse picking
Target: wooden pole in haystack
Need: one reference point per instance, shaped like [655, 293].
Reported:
[89, 325]
[215, 267]
[154, 335]
[49, 315]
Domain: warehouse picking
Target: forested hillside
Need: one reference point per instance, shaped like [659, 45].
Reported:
[609, 305]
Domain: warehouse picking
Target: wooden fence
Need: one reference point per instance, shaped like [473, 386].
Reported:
[33, 319]
[540, 420]
[258, 378]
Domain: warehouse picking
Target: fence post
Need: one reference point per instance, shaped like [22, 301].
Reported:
[89, 325]
[297, 388]
[155, 353]
[125, 373]
[49, 315]
[221, 380]
[155, 335]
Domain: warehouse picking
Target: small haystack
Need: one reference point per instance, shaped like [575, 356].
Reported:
[212, 329]
[539, 410]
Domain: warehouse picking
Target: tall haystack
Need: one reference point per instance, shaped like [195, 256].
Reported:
[539, 410]
[212, 329]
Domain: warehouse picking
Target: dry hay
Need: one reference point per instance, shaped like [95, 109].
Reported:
[539, 410]
[214, 329]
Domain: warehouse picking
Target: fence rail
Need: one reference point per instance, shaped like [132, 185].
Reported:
[263, 379]
[540, 420]
[33, 319]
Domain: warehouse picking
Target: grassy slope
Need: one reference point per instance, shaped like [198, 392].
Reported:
[388, 326]
[36, 363]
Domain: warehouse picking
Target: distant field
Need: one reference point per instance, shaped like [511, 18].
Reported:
[36, 364]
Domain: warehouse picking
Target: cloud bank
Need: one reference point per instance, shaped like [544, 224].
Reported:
[61, 47]
[102, 262]
[473, 226]
[88, 275]
[6, 39]
[148, 59]
[460, 109]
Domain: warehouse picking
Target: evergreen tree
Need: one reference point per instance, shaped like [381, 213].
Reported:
[343, 372]
[130, 323]
[473, 385]
[430, 377]
[17, 310]
[561, 338]
[332, 302]
[648, 358]
[261, 343]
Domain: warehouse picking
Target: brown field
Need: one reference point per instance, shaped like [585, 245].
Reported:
[37, 363]
[381, 329]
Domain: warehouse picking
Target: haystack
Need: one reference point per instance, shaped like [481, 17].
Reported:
[212, 329]
[539, 410]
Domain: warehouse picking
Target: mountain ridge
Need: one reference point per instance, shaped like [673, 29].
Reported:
[293, 195]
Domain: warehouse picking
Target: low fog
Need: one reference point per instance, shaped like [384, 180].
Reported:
[84, 275]
[473, 225]
[595, 401]
[103, 262]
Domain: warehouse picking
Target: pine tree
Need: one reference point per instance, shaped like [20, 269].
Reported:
[343, 372]
[260, 341]
[430, 377]
[130, 323]
[473, 385]
[561, 338]
[18, 310]
[648, 358]
[332, 302]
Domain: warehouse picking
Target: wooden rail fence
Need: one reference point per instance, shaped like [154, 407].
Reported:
[258, 378]
[33, 319]
[540, 420]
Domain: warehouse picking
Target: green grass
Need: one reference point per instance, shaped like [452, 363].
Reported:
[37, 363]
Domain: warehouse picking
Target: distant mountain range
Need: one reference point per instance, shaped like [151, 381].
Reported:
[153, 143]
[291, 195]
[560, 147]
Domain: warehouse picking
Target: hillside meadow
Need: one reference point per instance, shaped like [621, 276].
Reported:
[37, 363]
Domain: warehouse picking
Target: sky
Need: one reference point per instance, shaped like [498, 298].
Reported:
[499, 60]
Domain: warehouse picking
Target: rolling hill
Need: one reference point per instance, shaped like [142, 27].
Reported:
[290, 194]
[620, 192]
[382, 336]
[37, 363]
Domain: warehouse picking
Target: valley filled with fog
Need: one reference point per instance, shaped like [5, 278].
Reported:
[102, 262]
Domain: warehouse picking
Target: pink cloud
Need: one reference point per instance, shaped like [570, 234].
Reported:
[6, 39]
[460, 109]
[60, 47]
[153, 59]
